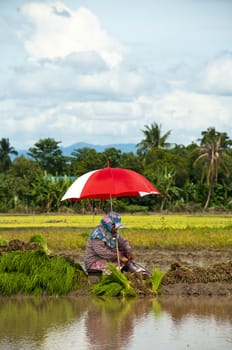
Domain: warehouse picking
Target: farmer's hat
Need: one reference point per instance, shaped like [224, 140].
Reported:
[111, 220]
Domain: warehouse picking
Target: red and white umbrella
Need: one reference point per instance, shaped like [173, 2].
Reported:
[108, 183]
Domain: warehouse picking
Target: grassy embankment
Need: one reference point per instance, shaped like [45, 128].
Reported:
[72, 231]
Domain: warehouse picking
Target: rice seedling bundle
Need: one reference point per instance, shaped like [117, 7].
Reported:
[40, 240]
[113, 284]
[33, 272]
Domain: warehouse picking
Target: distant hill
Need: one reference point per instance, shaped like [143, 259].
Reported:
[124, 147]
[127, 147]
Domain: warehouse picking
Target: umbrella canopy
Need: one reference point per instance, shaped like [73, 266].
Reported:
[109, 183]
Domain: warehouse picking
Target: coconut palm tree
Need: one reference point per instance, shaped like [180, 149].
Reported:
[213, 153]
[5, 151]
[153, 138]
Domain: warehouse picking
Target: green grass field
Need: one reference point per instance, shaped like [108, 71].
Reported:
[72, 231]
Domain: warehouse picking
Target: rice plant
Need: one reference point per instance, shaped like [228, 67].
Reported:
[33, 272]
[40, 240]
[3, 241]
[155, 280]
[113, 284]
[72, 232]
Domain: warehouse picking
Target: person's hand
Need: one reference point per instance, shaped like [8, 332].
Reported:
[123, 259]
[129, 255]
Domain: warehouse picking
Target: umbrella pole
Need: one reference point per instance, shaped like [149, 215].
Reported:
[111, 203]
[118, 257]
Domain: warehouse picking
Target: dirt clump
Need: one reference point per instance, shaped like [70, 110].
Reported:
[138, 283]
[221, 272]
[17, 244]
[198, 281]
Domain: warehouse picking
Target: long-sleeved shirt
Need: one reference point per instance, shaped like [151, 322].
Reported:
[97, 249]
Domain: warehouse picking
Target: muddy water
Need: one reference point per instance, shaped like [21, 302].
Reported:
[91, 324]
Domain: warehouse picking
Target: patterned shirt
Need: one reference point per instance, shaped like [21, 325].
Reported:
[97, 249]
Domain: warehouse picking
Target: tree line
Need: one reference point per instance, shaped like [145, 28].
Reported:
[190, 178]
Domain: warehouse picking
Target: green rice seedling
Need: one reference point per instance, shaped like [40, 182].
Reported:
[40, 240]
[60, 267]
[113, 284]
[56, 276]
[11, 262]
[111, 289]
[11, 283]
[81, 278]
[33, 272]
[155, 280]
[3, 241]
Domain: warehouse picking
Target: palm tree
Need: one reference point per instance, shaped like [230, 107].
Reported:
[5, 151]
[213, 147]
[153, 138]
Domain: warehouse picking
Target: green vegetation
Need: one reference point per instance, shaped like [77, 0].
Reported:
[118, 284]
[37, 273]
[72, 231]
[151, 221]
[33, 272]
[40, 240]
[2, 241]
[155, 280]
[192, 178]
[113, 284]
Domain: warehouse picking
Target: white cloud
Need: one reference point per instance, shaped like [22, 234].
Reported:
[189, 113]
[217, 76]
[186, 114]
[77, 84]
[57, 36]
[55, 79]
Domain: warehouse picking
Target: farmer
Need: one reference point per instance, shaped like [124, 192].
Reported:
[105, 245]
[102, 245]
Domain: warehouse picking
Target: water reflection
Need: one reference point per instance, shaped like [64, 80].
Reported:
[218, 308]
[89, 323]
[111, 322]
[29, 321]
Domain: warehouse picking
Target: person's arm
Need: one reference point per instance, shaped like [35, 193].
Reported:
[125, 248]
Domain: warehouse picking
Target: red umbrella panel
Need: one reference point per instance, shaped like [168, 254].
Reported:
[109, 183]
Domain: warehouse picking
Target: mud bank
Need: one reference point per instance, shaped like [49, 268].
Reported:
[189, 272]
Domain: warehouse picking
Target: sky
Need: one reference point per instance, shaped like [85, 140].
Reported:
[99, 71]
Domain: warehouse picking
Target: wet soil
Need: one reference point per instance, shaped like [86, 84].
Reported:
[188, 272]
